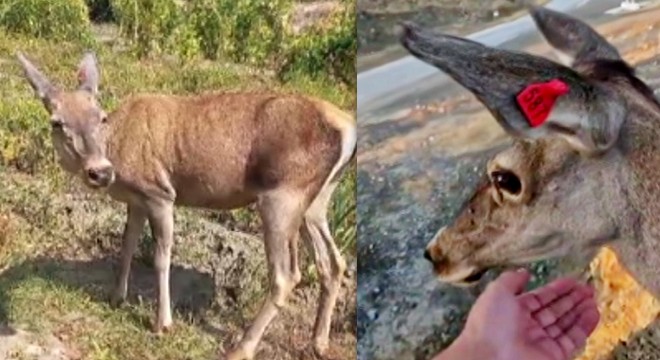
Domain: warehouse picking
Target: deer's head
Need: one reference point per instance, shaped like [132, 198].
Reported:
[559, 189]
[77, 122]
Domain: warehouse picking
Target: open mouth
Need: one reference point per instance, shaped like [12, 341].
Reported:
[476, 276]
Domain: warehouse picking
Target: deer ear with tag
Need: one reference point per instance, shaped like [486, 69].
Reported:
[529, 96]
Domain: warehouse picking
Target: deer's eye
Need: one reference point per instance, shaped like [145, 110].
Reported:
[56, 123]
[506, 181]
[104, 117]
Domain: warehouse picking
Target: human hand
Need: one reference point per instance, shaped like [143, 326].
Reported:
[549, 323]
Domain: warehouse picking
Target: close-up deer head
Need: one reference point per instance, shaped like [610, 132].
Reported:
[76, 121]
[578, 169]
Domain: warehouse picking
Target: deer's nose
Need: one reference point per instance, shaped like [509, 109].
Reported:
[100, 176]
[427, 255]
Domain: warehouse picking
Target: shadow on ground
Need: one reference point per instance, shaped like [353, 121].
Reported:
[192, 292]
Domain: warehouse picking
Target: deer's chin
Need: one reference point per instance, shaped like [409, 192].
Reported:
[99, 186]
[464, 278]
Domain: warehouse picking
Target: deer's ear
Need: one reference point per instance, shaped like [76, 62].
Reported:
[88, 74]
[574, 40]
[41, 85]
[529, 96]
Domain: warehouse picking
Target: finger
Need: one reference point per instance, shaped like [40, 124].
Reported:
[552, 348]
[533, 332]
[568, 344]
[552, 312]
[553, 330]
[589, 319]
[513, 281]
[570, 318]
[538, 298]
[575, 335]
[560, 306]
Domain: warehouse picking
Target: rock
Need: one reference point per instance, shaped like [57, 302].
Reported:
[405, 313]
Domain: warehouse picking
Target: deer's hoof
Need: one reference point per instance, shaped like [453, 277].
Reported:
[320, 347]
[237, 354]
[159, 328]
[116, 301]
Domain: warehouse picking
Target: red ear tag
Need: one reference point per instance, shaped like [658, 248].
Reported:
[537, 100]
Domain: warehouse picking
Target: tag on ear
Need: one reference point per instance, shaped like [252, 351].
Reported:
[536, 100]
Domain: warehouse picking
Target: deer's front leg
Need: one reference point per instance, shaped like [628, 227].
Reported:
[136, 218]
[161, 220]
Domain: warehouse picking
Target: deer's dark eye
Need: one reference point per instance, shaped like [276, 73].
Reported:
[506, 181]
[56, 123]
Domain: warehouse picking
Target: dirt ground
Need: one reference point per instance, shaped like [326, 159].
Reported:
[218, 282]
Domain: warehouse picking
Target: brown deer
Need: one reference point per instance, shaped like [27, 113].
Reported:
[578, 176]
[286, 153]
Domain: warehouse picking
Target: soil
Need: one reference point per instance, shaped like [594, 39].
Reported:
[218, 276]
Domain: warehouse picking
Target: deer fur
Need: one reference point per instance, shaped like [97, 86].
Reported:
[285, 153]
[584, 179]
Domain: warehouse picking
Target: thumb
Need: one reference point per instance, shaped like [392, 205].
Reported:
[513, 281]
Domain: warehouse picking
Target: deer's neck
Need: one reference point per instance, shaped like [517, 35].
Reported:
[639, 249]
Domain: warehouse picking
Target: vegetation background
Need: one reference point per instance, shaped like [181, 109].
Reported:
[59, 242]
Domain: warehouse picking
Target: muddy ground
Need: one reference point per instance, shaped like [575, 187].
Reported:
[415, 172]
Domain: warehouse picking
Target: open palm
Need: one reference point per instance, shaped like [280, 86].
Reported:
[549, 323]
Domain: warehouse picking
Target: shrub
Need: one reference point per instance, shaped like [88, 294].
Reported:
[100, 10]
[254, 29]
[155, 26]
[52, 19]
[327, 49]
[247, 31]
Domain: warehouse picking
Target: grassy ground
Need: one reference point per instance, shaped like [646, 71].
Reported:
[59, 242]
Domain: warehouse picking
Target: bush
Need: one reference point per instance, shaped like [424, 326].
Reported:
[100, 10]
[153, 26]
[328, 49]
[52, 19]
[246, 31]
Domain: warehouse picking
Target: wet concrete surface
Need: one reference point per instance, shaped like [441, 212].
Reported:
[417, 166]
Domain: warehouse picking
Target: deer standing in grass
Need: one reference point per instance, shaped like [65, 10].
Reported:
[219, 151]
[582, 176]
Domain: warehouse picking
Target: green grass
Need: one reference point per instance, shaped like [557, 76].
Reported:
[95, 329]
[57, 241]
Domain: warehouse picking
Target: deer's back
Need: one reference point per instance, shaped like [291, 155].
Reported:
[221, 150]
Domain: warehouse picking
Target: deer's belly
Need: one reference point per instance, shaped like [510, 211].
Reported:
[217, 199]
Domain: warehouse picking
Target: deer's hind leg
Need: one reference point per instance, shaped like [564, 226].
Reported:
[281, 212]
[329, 263]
